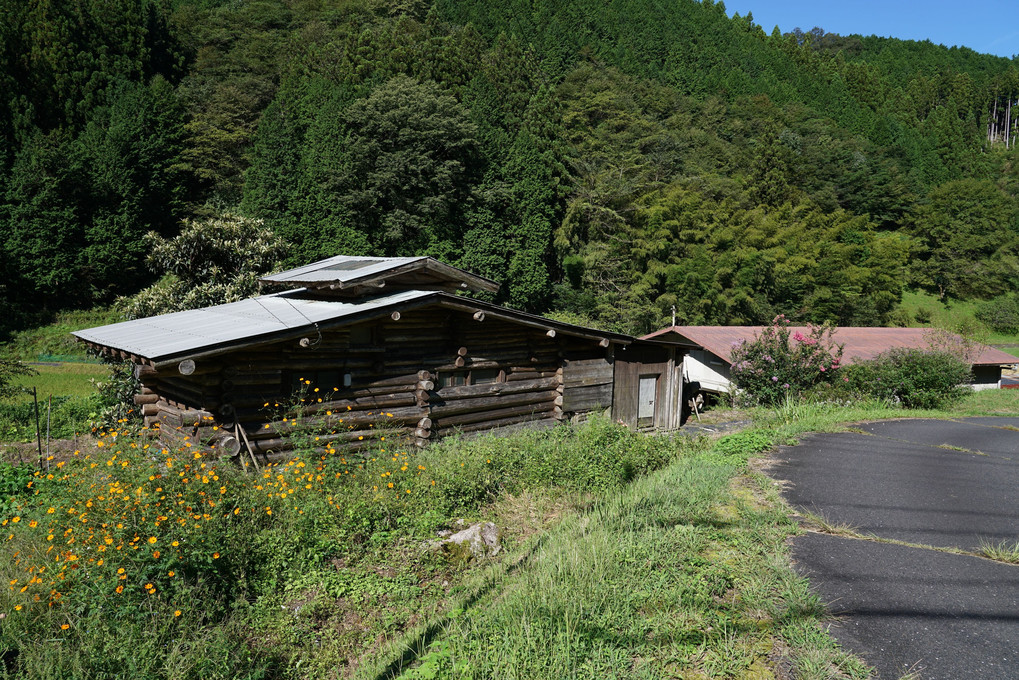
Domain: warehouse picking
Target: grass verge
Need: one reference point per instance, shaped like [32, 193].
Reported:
[683, 573]
[625, 556]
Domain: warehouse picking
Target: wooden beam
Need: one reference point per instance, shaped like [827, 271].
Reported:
[523, 319]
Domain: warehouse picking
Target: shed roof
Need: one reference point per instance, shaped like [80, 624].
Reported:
[860, 343]
[158, 338]
[354, 274]
[169, 338]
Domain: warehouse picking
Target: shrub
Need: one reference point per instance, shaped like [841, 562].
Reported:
[1001, 314]
[211, 262]
[913, 377]
[779, 363]
[14, 480]
[114, 398]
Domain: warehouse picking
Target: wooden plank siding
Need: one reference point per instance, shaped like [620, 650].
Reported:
[588, 383]
[425, 373]
[643, 360]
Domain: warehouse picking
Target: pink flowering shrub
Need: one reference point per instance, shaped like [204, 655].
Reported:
[779, 363]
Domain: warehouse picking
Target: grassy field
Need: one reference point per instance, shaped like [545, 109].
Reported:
[62, 371]
[65, 390]
[64, 379]
[956, 315]
[624, 555]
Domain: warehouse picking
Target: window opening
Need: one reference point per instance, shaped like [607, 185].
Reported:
[477, 376]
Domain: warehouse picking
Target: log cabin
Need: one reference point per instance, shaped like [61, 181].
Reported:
[367, 339]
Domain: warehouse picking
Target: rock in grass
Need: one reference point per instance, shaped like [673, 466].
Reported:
[477, 540]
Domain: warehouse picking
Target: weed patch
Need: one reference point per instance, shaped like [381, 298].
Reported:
[681, 573]
[130, 553]
[1001, 552]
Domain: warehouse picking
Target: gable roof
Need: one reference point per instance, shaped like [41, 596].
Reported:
[860, 343]
[354, 275]
[169, 338]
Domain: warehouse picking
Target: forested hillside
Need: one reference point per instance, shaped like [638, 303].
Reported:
[606, 161]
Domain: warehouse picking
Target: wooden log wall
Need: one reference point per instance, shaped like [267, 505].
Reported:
[391, 373]
[588, 378]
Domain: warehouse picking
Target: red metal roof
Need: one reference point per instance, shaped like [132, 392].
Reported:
[860, 343]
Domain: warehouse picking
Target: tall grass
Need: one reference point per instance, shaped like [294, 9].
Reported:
[683, 573]
[128, 555]
[625, 556]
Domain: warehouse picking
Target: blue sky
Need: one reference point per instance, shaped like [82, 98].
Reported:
[988, 26]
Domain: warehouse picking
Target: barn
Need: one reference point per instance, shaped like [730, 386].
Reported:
[709, 356]
[370, 339]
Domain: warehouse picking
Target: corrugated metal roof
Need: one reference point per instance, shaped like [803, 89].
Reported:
[348, 272]
[342, 268]
[182, 333]
[860, 343]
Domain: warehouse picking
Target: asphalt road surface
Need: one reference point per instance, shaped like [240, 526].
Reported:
[930, 484]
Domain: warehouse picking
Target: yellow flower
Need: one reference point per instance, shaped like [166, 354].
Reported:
[17, 607]
[215, 555]
[121, 570]
[177, 613]
[120, 589]
[64, 626]
[171, 573]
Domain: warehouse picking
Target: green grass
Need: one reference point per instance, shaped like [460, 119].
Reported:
[684, 573]
[625, 556]
[957, 315]
[54, 340]
[62, 380]
[1005, 551]
[65, 389]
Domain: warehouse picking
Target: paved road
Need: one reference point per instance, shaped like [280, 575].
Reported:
[928, 483]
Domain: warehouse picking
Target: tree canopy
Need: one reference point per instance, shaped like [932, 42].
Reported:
[605, 161]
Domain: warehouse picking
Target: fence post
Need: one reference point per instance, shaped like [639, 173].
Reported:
[38, 433]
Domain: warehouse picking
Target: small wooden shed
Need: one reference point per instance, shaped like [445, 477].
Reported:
[368, 339]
